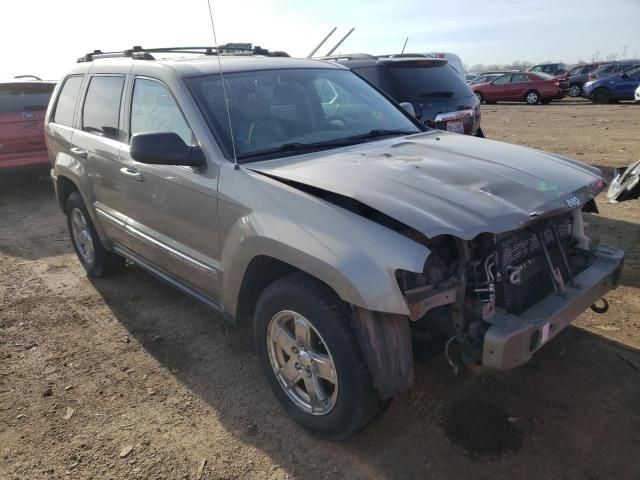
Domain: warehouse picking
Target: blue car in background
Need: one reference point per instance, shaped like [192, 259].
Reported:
[620, 86]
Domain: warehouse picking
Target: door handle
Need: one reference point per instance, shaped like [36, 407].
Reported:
[79, 152]
[131, 174]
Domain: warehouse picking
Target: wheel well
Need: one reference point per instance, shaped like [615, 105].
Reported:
[261, 272]
[65, 187]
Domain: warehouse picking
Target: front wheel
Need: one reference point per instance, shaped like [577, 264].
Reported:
[601, 96]
[575, 90]
[312, 359]
[532, 98]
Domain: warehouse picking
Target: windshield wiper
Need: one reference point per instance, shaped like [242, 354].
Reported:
[300, 148]
[377, 133]
[440, 94]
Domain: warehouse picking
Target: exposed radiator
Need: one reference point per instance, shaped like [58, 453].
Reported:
[522, 250]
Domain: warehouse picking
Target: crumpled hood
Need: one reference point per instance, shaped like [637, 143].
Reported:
[442, 183]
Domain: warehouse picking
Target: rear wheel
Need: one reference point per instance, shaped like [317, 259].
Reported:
[96, 260]
[575, 90]
[479, 97]
[312, 359]
[601, 96]
[532, 97]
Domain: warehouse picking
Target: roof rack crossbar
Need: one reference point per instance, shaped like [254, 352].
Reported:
[141, 53]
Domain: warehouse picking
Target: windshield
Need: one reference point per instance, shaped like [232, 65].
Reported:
[284, 112]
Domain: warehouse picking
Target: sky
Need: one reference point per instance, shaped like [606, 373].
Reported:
[45, 37]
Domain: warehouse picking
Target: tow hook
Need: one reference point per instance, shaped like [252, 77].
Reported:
[460, 337]
[603, 308]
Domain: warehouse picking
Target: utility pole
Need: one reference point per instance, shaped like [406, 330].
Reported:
[597, 55]
[624, 52]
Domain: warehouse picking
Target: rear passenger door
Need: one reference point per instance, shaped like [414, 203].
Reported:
[518, 86]
[97, 143]
[173, 218]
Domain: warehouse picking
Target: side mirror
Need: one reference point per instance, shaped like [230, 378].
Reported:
[166, 148]
[407, 107]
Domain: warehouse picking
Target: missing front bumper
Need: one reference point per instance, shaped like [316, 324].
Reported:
[513, 339]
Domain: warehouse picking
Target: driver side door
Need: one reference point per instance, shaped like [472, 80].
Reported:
[173, 216]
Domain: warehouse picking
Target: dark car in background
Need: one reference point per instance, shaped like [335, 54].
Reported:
[529, 87]
[439, 96]
[552, 69]
[23, 103]
[577, 76]
[620, 86]
[612, 68]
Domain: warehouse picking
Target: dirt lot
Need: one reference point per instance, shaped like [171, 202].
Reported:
[126, 378]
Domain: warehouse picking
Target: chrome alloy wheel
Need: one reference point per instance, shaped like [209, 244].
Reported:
[82, 236]
[532, 98]
[302, 363]
[574, 91]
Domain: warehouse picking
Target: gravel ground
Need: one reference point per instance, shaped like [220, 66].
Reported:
[126, 378]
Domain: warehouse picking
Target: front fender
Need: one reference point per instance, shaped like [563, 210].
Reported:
[355, 256]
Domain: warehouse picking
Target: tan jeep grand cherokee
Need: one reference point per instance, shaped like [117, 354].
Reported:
[350, 234]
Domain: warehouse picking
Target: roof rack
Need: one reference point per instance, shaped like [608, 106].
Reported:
[140, 53]
[22, 77]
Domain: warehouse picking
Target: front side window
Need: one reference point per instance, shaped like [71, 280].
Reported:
[66, 104]
[286, 112]
[101, 111]
[154, 110]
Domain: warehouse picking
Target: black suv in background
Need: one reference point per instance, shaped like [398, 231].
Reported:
[578, 76]
[439, 96]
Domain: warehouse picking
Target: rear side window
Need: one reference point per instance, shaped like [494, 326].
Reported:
[20, 98]
[519, 77]
[154, 110]
[66, 105]
[101, 111]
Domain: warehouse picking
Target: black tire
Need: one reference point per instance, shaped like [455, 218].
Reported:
[491, 103]
[103, 262]
[575, 90]
[532, 97]
[357, 403]
[480, 133]
[601, 96]
[479, 96]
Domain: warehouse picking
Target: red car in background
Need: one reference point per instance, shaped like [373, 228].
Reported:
[23, 103]
[529, 87]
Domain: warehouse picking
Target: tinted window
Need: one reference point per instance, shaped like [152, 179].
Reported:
[543, 76]
[633, 72]
[575, 70]
[101, 110]
[503, 79]
[67, 101]
[519, 77]
[154, 110]
[429, 81]
[18, 98]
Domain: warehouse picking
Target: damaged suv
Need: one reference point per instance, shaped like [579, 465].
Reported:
[349, 233]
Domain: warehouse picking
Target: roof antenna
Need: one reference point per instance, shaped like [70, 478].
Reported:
[404, 46]
[322, 42]
[340, 42]
[224, 89]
